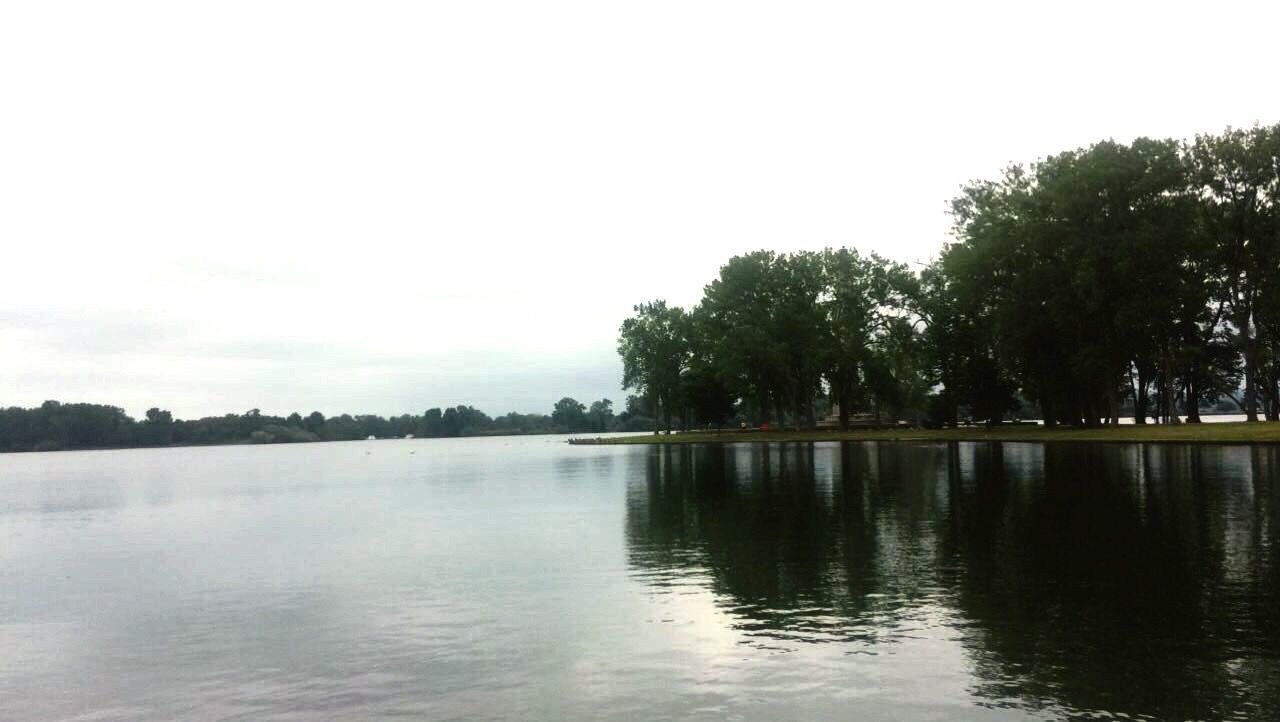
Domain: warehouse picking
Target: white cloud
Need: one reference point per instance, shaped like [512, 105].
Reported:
[330, 184]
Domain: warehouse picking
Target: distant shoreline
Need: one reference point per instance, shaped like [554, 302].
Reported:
[1235, 432]
[280, 443]
[57, 426]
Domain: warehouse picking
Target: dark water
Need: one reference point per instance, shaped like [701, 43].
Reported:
[526, 579]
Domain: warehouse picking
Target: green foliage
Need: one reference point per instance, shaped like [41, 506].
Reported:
[1223, 433]
[655, 351]
[1090, 269]
[54, 426]
[157, 429]
[1139, 276]
[600, 416]
[706, 399]
[569, 415]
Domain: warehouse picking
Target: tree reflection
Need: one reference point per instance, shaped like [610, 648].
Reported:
[1119, 578]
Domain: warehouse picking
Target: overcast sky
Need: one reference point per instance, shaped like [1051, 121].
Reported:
[381, 207]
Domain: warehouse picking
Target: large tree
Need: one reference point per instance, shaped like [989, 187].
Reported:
[866, 304]
[569, 414]
[1080, 267]
[654, 347]
[1237, 175]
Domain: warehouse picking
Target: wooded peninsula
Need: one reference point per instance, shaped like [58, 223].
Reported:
[1115, 280]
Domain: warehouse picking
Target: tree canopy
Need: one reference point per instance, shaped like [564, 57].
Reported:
[1139, 278]
[54, 426]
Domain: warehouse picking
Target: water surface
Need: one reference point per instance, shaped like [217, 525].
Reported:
[523, 578]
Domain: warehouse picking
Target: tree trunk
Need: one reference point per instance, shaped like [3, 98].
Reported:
[1193, 403]
[1167, 390]
[843, 400]
[1092, 414]
[1250, 370]
[1271, 397]
[1140, 400]
[1074, 415]
[1250, 392]
[797, 405]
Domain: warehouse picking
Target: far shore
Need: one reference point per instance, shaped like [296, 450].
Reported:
[1240, 432]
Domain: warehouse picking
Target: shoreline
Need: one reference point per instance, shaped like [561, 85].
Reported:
[245, 442]
[1233, 432]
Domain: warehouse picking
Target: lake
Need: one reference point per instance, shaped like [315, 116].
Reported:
[522, 578]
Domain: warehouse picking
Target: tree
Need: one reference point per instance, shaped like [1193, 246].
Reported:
[864, 296]
[314, 422]
[635, 416]
[569, 415]
[157, 429]
[451, 423]
[705, 398]
[432, 423]
[600, 416]
[804, 337]
[741, 314]
[1080, 268]
[1237, 175]
[654, 348]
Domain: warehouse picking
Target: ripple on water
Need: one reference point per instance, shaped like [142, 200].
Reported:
[475, 580]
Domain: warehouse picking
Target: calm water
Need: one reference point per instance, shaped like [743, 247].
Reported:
[524, 578]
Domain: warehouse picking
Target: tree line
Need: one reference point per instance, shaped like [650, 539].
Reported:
[1116, 279]
[54, 426]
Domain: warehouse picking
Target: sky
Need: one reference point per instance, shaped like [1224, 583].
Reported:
[380, 207]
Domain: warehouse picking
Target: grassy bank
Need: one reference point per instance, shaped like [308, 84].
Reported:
[1223, 433]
